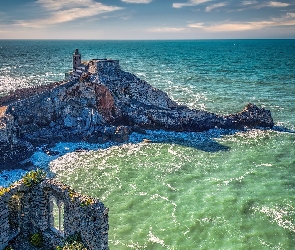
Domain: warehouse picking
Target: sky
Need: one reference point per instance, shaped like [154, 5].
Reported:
[146, 19]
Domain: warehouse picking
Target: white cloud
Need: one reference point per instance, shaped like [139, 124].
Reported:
[271, 4]
[238, 26]
[249, 2]
[252, 4]
[215, 6]
[286, 20]
[196, 25]
[166, 30]
[137, 1]
[65, 11]
[277, 4]
[64, 4]
[189, 3]
[290, 15]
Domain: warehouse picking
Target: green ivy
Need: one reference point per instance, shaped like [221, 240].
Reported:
[72, 194]
[34, 177]
[36, 239]
[87, 201]
[73, 242]
[3, 190]
[8, 248]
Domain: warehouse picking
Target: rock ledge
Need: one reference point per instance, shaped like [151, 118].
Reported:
[101, 102]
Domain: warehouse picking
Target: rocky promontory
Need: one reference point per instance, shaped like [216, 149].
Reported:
[101, 102]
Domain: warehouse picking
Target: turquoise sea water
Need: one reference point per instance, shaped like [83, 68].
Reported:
[213, 190]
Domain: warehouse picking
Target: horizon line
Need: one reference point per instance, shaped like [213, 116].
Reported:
[175, 39]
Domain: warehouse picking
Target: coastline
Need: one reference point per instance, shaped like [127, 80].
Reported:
[242, 193]
[98, 103]
[207, 141]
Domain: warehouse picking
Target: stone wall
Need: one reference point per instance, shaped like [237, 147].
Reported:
[100, 65]
[107, 64]
[23, 93]
[27, 210]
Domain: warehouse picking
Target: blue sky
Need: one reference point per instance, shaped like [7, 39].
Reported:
[146, 19]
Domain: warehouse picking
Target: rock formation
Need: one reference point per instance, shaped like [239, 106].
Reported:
[104, 103]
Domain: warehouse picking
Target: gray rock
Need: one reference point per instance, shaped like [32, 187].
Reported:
[103, 103]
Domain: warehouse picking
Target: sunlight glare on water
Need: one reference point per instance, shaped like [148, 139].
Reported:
[170, 196]
[213, 190]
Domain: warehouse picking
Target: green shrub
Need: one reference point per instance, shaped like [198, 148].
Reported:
[36, 239]
[72, 246]
[87, 201]
[3, 190]
[8, 248]
[76, 237]
[73, 242]
[34, 177]
[72, 194]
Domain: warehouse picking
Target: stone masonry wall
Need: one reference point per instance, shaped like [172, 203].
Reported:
[27, 210]
[23, 93]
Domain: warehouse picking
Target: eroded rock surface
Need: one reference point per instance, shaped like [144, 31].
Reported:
[106, 103]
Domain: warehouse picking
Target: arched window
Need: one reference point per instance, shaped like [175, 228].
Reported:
[61, 216]
[56, 215]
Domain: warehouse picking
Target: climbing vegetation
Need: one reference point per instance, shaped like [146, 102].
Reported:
[73, 242]
[3, 190]
[36, 239]
[34, 177]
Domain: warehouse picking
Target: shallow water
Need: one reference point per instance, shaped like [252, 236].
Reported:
[170, 196]
[213, 190]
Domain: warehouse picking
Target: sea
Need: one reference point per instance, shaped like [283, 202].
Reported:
[219, 189]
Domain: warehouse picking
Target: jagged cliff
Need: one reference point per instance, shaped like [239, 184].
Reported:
[104, 103]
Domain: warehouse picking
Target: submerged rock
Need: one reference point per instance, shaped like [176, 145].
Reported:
[103, 103]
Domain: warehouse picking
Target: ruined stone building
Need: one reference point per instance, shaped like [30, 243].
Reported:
[54, 210]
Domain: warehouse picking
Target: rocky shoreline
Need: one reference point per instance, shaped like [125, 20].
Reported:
[98, 104]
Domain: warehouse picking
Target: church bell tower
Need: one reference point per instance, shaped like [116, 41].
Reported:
[76, 59]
